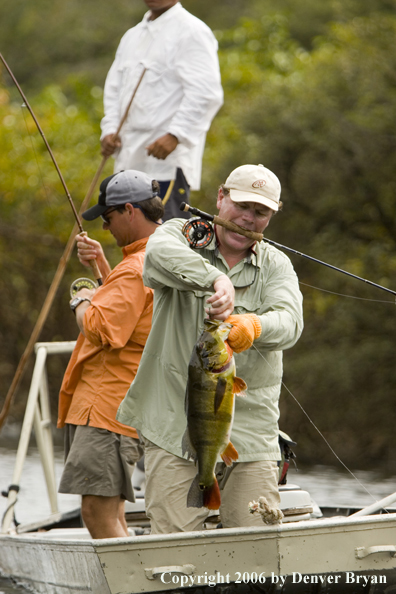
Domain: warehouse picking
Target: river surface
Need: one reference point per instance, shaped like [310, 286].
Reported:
[327, 486]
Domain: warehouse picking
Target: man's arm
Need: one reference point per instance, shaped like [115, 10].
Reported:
[282, 323]
[197, 67]
[170, 262]
[116, 308]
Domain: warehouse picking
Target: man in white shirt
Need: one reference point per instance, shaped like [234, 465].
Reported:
[179, 95]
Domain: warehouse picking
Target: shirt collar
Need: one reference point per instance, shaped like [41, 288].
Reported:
[159, 21]
[135, 247]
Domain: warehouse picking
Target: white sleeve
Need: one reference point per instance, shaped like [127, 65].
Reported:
[111, 96]
[199, 72]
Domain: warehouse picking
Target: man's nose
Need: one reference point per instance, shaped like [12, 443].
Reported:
[249, 214]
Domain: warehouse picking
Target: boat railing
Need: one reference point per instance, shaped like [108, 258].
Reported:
[37, 415]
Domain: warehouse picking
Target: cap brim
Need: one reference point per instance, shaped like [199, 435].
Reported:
[93, 213]
[239, 196]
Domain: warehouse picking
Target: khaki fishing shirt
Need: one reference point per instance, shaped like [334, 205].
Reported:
[182, 279]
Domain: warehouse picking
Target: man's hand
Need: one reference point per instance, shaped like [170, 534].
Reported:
[84, 293]
[88, 249]
[245, 329]
[109, 144]
[162, 147]
[222, 302]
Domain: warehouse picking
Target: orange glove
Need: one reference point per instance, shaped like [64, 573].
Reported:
[245, 328]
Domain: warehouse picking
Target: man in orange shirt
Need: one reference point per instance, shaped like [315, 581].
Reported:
[114, 321]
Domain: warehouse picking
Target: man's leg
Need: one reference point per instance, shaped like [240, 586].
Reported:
[121, 516]
[168, 479]
[247, 482]
[101, 516]
[99, 466]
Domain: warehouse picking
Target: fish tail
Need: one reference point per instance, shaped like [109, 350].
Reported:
[229, 455]
[195, 496]
[211, 496]
[208, 497]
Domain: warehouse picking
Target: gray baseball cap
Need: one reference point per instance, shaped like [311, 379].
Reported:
[126, 186]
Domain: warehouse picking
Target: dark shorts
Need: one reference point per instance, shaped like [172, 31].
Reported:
[172, 194]
[99, 462]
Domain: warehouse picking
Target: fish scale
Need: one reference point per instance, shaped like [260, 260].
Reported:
[211, 387]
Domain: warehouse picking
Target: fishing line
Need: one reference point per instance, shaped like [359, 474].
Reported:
[349, 296]
[320, 433]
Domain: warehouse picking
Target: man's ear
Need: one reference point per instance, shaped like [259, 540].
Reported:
[220, 196]
[131, 211]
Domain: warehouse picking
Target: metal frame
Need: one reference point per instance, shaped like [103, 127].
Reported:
[37, 414]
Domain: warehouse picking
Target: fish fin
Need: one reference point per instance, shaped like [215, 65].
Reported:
[220, 392]
[187, 447]
[211, 496]
[239, 386]
[195, 496]
[229, 455]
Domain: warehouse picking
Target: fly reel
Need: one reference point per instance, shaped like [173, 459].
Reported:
[198, 232]
[82, 283]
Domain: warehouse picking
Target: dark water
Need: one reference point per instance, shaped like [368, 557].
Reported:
[327, 486]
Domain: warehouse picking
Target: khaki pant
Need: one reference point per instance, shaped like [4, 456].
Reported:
[168, 479]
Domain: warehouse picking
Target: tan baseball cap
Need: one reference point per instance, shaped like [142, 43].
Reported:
[254, 183]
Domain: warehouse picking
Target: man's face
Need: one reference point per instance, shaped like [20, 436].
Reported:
[118, 223]
[157, 7]
[249, 215]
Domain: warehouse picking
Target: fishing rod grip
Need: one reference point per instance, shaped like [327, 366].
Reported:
[95, 269]
[94, 265]
[237, 229]
[222, 222]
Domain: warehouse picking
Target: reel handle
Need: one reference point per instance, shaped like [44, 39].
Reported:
[222, 222]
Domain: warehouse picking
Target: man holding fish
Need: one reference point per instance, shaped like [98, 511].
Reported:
[252, 288]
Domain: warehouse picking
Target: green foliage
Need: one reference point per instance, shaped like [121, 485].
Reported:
[310, 93]
[323, 121]
[36, 218]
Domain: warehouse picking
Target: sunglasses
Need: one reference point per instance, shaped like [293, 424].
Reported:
[120, 208]
[104, 216]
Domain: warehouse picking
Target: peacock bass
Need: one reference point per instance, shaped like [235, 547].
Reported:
[209, 408]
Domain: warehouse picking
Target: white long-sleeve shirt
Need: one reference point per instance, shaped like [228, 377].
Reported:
[180, 93]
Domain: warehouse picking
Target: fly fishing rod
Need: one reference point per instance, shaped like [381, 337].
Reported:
[76, 285]
[199, 234]
[92, 263]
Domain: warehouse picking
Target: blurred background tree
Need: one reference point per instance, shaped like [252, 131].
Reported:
[310, 92]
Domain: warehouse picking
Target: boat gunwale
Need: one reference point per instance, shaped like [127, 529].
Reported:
[279, 530]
